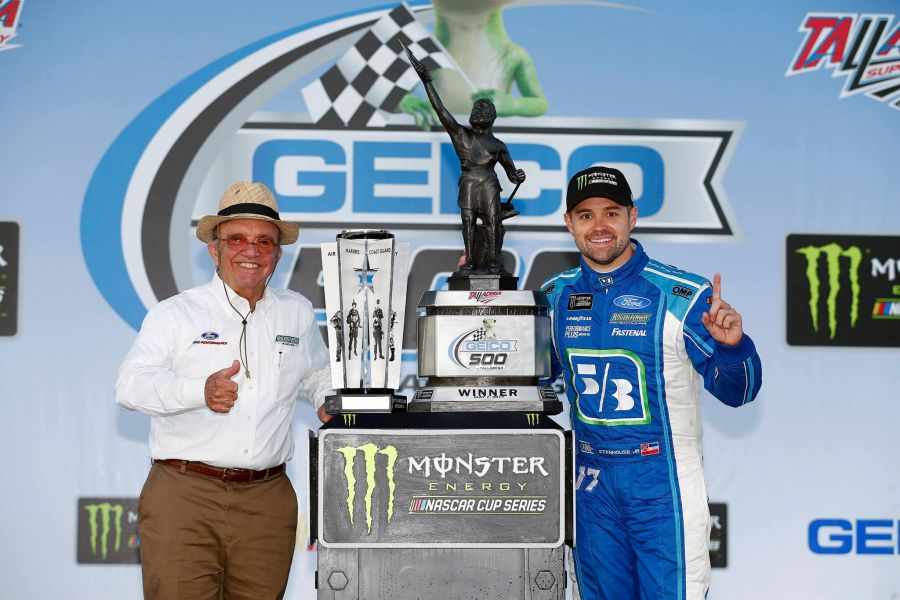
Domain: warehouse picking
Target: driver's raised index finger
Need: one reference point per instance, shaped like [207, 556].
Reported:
[717, 286]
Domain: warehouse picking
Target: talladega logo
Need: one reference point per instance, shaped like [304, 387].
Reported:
[351, 154]
[864, 49]
[10, 13]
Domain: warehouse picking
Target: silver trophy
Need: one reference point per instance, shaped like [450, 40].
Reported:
[364, 273]
[484, 351]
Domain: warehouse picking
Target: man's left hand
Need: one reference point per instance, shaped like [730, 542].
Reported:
[323, 416]
[722, 322]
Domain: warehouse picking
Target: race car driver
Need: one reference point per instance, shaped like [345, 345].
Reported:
[634, 339]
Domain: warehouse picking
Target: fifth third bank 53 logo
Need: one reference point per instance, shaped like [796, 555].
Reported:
[371, 466]
[841, 290]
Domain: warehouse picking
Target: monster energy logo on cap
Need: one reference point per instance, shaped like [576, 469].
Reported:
[834, 266]
[107, 530]
[369, 452]
[598, 182]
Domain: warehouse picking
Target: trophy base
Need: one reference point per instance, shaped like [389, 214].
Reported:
[493, 398]
[364, 400]
[478, 282]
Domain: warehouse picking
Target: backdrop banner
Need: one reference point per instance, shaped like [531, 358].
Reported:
[761, 144]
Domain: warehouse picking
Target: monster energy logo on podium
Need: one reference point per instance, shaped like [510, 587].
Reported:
[369, 452]
[107, 531]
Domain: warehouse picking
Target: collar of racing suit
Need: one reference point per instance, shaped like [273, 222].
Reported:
[633, 267]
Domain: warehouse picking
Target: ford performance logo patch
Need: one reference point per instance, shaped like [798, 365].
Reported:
[631, 302]
[210, 335]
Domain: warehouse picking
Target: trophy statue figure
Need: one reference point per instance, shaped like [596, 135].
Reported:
[479, 189]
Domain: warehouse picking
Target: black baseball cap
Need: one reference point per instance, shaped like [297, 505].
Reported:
[598, 182]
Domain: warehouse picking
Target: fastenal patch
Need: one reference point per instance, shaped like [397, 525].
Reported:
[620, 318]
[287, 340]
[629, 332]
[581, 301]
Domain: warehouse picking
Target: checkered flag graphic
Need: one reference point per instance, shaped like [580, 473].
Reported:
[478, 335]
[369, 81]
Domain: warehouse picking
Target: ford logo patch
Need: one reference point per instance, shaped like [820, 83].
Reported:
[209, 335]
[631, 302]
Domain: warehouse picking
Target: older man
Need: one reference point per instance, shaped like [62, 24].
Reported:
[219, 367]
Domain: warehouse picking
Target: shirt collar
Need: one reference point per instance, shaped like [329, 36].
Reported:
[631, 268]
[237, 300]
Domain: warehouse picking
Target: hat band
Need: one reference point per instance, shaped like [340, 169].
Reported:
[250, 208]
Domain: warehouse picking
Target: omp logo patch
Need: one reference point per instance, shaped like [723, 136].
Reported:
[682, 292]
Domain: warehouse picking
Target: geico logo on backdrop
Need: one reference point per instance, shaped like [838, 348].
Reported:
[172, 161]
[863, 536]
[323, 173]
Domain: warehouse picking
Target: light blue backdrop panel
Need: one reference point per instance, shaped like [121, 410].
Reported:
[696, 100]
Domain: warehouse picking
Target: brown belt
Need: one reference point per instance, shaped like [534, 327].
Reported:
[230, 475]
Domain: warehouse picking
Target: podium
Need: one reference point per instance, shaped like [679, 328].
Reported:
[455, 505]
[466, 494]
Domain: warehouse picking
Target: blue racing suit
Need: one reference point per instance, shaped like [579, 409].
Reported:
[633, 352]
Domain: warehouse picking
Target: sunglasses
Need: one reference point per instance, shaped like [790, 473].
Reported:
[239, 243]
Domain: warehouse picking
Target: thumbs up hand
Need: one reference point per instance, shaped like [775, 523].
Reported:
[220, 391]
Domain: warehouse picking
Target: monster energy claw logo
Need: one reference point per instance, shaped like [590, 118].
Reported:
[349, 419]
[833, 254]
[105, 512]
[369, 452]
[581, 181]
[532, 418]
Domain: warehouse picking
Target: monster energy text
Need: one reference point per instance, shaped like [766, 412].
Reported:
[477, 465]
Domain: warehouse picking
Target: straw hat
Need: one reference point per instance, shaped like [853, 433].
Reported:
[245, 200]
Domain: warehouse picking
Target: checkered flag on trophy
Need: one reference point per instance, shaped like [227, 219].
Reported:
[368, 82]
[478, 335]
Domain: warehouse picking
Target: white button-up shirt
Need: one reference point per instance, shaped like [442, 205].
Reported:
[187, 338]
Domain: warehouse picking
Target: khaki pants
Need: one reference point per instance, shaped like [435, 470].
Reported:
[205, 539]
